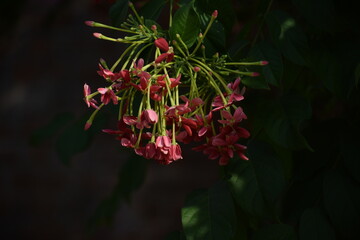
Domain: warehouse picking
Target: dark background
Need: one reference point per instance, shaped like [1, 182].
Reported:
[47, 54]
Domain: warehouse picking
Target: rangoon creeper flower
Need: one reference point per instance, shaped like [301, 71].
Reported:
[177, 96]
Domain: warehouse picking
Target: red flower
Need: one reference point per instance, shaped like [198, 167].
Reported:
[163, 143]
[175, 81]
[162, 44]
[238, 116]
[107, 95]
[89, 102]
[107, 74]
[175, 152]
[236, 95]
[125, 75]
[165, 56]
[150, 150]
[150, 116]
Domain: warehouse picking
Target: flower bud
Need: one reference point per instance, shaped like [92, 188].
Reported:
[215, 14]
[89, 23]
[162, 44]
[264, 62]
[97, 35]
[197, 69]
[87, 125]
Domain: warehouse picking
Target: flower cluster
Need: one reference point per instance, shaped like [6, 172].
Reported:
[180, 97]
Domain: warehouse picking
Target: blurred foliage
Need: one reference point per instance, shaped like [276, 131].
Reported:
[302, 180]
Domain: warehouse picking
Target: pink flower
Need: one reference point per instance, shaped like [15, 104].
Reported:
[89, 102]
[142, 86]
[108, 95]
[193, 103]
[137, 70]
[168, 57]
[219, 104]
[162, 44]
[140, 64]
[176, 111]
[125, 75]
[129, 141]
[130, 120]
[156, 92]
[175, 81]
[146, 118]
[107, 74]
[236, 95]
[163, 142]
[150, 150]
[150, 116]
[238, 116]
[175, 152]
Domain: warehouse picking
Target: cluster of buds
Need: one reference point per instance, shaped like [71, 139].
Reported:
[183, 98]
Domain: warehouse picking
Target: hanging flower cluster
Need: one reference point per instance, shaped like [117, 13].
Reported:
[182, 96]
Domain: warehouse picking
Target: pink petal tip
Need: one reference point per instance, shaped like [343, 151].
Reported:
[97, 35]
[87, 125]
[215, 14]
[89, 23]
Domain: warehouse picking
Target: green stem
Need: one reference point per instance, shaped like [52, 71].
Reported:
[131, 5]
[168, 82]
[245, 63]
[237, 72]
[203, 36]
[183, 44]
[91, 118]
[96, 24]
[203, 65]
[121, 57]
[170, 14]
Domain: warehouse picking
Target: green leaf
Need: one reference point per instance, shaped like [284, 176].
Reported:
[118, 12]
[257, 181]
[287, 36]
[274, 70]
[320, 13]
[186, 24]
[315, 226]
[152, 9]
[131, 176]
[284, 119]
[209, 214]
[275, 232]
[341, 201]
[47, 131]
